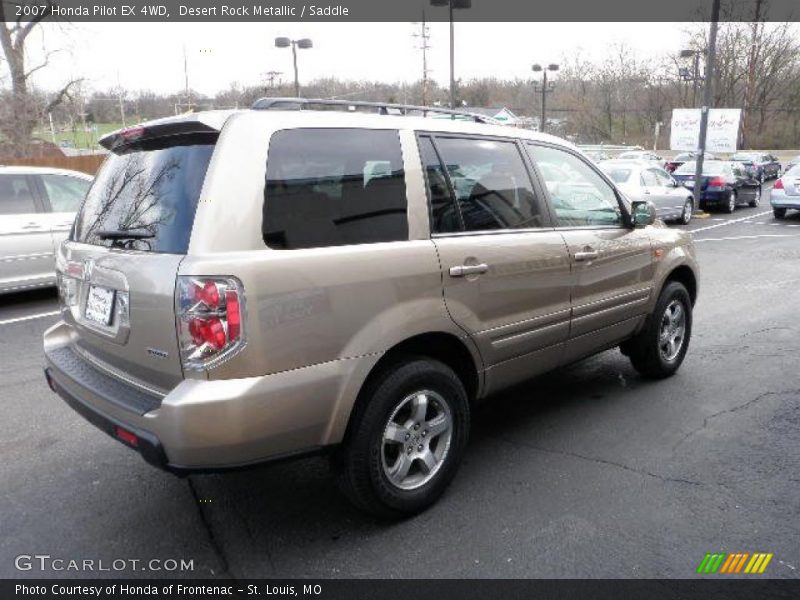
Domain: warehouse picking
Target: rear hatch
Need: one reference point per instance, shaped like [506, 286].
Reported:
[117, 273]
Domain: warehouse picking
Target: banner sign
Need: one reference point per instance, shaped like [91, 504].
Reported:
[722, 135]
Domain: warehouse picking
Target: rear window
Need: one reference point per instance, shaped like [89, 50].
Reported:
[616, 174]
[334, 187]
[709, 168]
[150, 192]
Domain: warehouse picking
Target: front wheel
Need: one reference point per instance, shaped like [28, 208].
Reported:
[406, 440]
[756, 199]
[730, 204]
[659, 349]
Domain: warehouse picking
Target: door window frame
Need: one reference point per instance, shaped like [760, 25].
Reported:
[548, 221]
[627, 221]
[45, 197]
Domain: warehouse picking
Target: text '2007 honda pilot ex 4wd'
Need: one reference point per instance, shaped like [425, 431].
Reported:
[247, 285]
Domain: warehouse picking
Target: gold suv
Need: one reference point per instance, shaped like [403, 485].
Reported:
[241, 286]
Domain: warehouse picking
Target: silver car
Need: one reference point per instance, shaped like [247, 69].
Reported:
[785, 194]
[644, 155]
[640, 180]
[37, 209]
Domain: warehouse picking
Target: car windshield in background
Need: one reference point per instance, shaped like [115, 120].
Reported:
[631, 155]
[685, 156]
[743, 157]
[712, 167]
[146, 198]
[618, 175]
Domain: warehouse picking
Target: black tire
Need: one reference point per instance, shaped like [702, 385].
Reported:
[730, 203]
[779, 213]
[757, 200]
[359, 461]
[644, 350]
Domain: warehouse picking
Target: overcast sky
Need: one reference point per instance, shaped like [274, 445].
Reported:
[150, 56]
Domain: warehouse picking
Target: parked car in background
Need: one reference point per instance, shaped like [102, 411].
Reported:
[685, 157]
[364, 281]
[785, 193]
[792, 163]
[724, 183]
[598, 155]
[644, 155]
[37, 209]
[640, 180]
[760, 166]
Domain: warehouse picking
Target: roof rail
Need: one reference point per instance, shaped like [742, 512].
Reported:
[382, 108]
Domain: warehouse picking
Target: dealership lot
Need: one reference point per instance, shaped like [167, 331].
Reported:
[589, 471]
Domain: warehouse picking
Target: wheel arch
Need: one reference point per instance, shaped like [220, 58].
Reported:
[685, 275]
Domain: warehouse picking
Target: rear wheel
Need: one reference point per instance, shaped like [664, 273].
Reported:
[686, 215]
[730, 203]
[659, 349]
[779, 213]
[756, 199]
[406, 440]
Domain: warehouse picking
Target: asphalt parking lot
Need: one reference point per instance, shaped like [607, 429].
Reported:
[589, 471]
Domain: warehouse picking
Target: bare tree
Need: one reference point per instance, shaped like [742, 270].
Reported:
[21, 112]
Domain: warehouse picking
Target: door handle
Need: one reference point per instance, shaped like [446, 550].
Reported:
[586, 255]
[463, 270]
[32, 226]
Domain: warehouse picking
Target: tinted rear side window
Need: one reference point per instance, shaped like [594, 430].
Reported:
[151, 191]
[334, 187]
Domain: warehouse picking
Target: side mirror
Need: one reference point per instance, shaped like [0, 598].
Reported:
[643, 213]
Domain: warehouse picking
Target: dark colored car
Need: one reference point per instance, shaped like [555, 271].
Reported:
[725, 184]
[759, 165]
[685, 157]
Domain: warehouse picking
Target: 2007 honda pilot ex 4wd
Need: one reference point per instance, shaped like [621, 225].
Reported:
[247, 285]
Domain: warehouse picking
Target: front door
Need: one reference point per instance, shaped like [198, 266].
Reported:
[612, 264]
[505, 270]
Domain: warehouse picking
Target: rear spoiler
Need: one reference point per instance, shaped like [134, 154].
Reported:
[198, 123]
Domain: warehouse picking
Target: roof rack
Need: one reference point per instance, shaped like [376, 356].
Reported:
[382, 108]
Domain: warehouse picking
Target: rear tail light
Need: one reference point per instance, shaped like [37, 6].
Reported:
[126, 436]
[716, 182]
[778, 184]
[209, 312]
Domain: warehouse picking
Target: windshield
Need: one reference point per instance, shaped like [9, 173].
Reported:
[742, 157]
[149, 192]
[686, 156]
[709, 168]
[631, 155]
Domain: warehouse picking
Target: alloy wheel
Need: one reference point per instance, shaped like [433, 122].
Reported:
[673, 331]
[416, 439]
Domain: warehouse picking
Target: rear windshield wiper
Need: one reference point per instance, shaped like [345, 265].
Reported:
[125, 235]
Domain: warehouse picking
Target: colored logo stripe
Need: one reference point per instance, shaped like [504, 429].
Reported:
[734, 563]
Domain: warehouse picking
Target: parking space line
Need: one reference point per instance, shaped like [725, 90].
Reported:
[749, 237]
[732, 221]
[30, 317]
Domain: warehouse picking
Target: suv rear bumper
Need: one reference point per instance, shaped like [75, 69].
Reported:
[203, 425]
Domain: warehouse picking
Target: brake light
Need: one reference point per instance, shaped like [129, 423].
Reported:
[716, 182]
[209, 314]
[778, 184]
[132, 133]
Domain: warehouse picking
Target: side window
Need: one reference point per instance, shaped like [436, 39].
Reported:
[65, 193]
[580, 197]
[334, 187]
[16, 197]
[649, 178]
[444, 214]
[491, 184]
[663, 178]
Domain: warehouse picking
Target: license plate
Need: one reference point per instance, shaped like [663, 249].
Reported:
[100, 305]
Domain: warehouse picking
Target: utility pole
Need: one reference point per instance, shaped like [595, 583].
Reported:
[424, 35]
[707, 96]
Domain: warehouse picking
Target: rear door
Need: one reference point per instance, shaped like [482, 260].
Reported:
[612, 264]
[26, 252]
[120, 265]
[505, 271]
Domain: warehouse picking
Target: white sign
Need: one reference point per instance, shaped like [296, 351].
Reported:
[722, 135]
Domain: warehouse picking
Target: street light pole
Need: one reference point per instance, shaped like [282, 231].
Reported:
[707, 97]
[546, 88]
[304, 43]
[451, 5]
